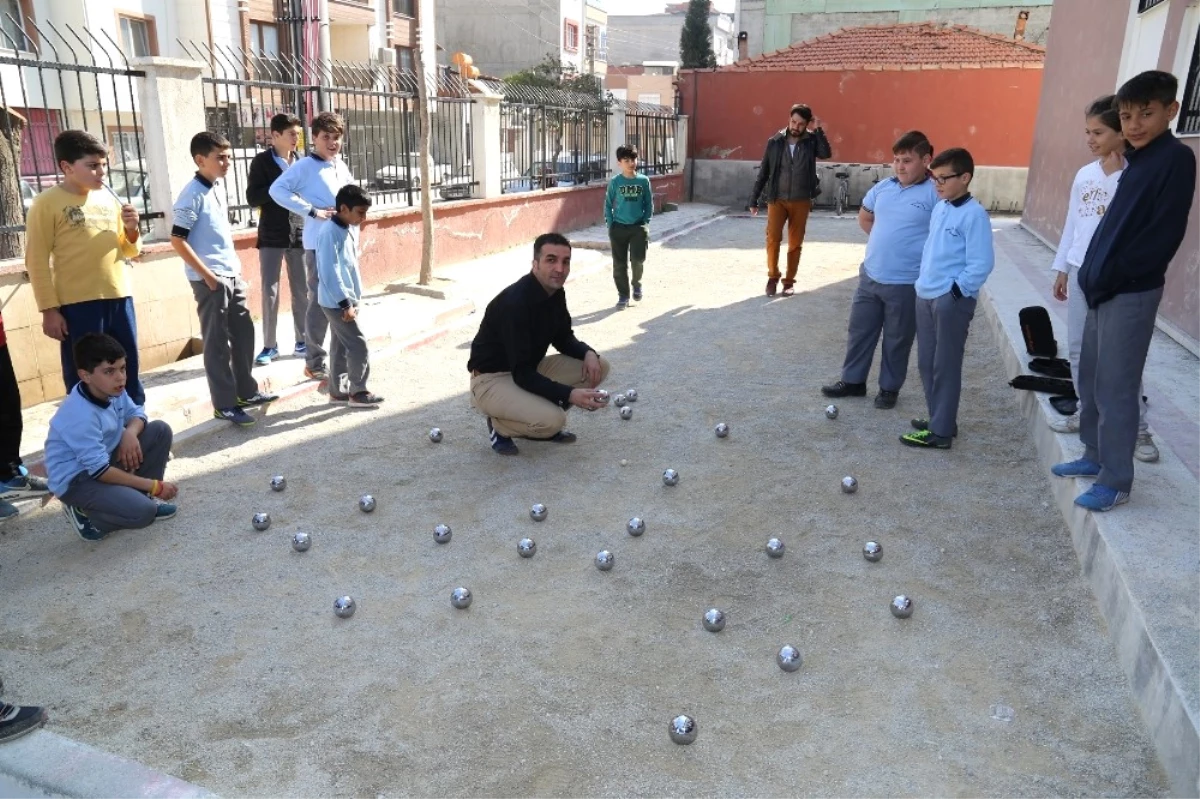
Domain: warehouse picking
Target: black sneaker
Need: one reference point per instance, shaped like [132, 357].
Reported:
[23, 484]
[563, 437]
[338, 399]
[926, 439]
[363, 399]
[81, 524]
[886, 400]
[502, 444]
[637, 293]
[16, 720]
[844, 389]
[235, 415]
[259, 398]
[923, 424]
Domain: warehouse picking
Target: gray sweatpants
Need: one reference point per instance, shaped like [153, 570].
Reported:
[878, 308]
[113, 507]
[315, 323]
[1116, 340]
[942, 327]
[347, 353]
[228, 333]
[270, 264]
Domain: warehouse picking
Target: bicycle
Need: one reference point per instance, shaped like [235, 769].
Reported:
[841, 192]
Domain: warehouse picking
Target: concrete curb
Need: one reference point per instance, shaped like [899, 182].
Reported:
[1156, 689]
[44, 762]
[656, 236]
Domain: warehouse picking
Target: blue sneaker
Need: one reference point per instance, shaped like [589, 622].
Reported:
[637, 293]
[501, 444]
[1080, 468]
[266, 356]
[259, 398]
[622, 303]
[1101, 498]
[81, 524]
[301, 349]
[235, 415]
[165, 510]
[7, 510]
[23, 485]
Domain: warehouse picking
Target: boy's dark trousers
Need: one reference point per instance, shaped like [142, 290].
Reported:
[315, 323]
[114, 317]
[270, 264]
[880, 308]
[347, 353]
[629, 243]
[113, 507]
[228, 333]
[1116, 340]
[942, 327]
[10, 417]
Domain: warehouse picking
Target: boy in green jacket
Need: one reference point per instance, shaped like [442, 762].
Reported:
[628, 206]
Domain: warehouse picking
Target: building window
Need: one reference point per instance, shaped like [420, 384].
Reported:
[1146, 5]
[12, 22]
[404, 59]
[650, 98]
[602, 54]
[571, 36]
[406, 8]
[138, 36]
[1189, 109]
[264, 40]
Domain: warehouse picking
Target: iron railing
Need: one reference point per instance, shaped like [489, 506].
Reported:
[68, 81]
[651, 128]
[1189, 109]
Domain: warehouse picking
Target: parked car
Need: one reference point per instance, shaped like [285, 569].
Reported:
[457, 186]
[396, 176]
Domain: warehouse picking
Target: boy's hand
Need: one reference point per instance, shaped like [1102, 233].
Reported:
[129, 217]
[323, 213]
[210, 280]
[1060, 287]
[167, 490]
[349, 314]
[54, 325]
[129, 452]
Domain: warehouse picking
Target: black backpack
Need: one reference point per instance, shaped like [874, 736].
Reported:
[1038, 332]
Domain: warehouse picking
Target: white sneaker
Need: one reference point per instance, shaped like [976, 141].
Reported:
[1145, 451]
[1067, 425]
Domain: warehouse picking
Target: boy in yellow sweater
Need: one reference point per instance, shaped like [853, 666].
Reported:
[77, 236]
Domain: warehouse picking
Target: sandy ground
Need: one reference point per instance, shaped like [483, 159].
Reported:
[210, 651]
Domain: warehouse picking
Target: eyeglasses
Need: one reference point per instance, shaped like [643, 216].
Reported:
[941, 179]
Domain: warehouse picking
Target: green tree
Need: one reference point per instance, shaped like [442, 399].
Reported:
[695, 42]
[550, 73]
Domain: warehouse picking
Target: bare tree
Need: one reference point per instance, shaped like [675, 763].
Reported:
[12, 212]
[426, 276]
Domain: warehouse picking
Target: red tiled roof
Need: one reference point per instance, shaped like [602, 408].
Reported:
[917, 45]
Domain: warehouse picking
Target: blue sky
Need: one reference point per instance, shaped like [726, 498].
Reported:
[642, 7]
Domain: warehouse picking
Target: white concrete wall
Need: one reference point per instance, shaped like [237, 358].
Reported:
[1144, 38]
[502, 36]
[633, 39]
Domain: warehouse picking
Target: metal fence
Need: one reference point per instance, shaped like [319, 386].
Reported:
[1189, 109]
[378, 103]
[651, 128]
[64, 80]
[550, 138]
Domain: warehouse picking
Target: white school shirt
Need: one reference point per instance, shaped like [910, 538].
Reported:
[1091, 193]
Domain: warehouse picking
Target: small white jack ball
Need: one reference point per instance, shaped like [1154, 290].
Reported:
[435, 435]
[624, 462]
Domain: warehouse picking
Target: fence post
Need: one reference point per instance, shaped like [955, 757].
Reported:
[616, 137]
[486, 161]
[681, 141]
[172, 101]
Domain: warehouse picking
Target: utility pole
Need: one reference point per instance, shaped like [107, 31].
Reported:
[324, 56]
[426, 276]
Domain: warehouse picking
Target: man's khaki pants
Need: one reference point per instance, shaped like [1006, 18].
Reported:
[795, 214]
[515, 412]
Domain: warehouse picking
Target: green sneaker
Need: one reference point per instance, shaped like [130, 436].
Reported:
[926, 439]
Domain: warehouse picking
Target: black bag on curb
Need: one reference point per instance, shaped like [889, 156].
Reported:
[1065, 405]
[1044, 385]
[1051, 367]
[1038, 332]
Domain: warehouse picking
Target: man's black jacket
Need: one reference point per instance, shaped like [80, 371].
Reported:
[812, 146]
[277, 226]
[519, 325]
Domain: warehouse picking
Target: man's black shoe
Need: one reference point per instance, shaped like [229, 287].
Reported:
[563, 437]
[923, 424]
[843, 389]
[16, 720]
[502, 444]
[886, 400]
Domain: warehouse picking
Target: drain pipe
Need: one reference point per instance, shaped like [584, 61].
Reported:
[692, 138]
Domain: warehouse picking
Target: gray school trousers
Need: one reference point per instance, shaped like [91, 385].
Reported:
[1116, 339]
[270, 265]
[228, 333]
[114, 507]
[347, 353]
[890, 309]
[315, 323]
[942, 327]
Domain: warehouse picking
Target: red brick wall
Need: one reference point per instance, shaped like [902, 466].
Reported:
[991, 112]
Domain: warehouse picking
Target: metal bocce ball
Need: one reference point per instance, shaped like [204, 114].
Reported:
[670, 477]
[526, 548]
[344, 607]
[849, 485]
[301, 542]
[683, 729]
[603, 396]
[461, 598]
[538, 512]
[366, 503]
[442, 533]
[435, 435]
[831, 411]
[714, 620]
[627, 413]
[636, 526]
[619, 399]
[721, 430]
[775, 548]
[902, 607]
[604, 560]
[631, 395]
[278, 482]
[873, 551]
[789, 658]
[261, 521]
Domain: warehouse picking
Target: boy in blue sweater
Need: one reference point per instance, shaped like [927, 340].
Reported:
[1122, 278]
[339, 289]
[955, 262]
[104, 460]
[309, 188]
[628, 206]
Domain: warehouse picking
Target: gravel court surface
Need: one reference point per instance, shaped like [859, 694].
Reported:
[210, 651]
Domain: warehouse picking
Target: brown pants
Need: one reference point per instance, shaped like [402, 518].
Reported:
[795, 214]
[517, 413]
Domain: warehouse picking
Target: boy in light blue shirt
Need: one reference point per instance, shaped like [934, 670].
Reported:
[339, 290]
[956, 260]
[895, 215]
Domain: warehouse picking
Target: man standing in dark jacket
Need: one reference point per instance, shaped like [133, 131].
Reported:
[787, 183]
[279, 236]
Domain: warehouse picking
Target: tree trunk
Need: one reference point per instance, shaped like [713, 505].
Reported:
[426, 190]
[12, 211]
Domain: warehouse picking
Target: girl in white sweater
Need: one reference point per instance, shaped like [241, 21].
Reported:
[1093, 189]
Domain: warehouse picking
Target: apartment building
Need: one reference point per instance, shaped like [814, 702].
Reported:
[636, 39]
